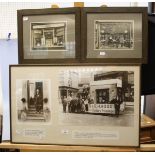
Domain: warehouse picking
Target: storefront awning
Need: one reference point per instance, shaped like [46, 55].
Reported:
[48, 25]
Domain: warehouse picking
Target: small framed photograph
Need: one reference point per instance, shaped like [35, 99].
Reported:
[114, 35]
[75, 105]
[49, 35]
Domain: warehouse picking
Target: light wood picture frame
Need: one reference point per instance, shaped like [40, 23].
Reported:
[75, 105]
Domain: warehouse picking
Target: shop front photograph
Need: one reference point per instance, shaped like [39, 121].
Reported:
[96, 97]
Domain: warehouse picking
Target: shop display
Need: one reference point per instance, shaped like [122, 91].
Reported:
[114, 35]
[75, 105]
[49, 35]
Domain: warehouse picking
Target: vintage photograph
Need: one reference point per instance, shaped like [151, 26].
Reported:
[33, 100]
[96, 97]
[75, 105]
[114, 34]
[49, 36]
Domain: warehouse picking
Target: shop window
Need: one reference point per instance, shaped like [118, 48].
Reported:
[102, 96]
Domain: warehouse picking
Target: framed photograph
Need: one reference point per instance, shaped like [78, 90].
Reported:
[114, 35]
[1, 111]
[49, 35]
[75, 105]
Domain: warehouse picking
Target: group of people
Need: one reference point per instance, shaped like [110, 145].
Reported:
[118, 41]
[81, 105]
[76, 104]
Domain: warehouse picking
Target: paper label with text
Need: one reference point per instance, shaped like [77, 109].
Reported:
[34, 133]
[112, 135]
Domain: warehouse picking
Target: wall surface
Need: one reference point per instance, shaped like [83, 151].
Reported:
[8, 55]
[8, 16]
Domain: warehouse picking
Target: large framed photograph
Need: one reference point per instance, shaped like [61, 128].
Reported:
[75, 105]
[1, 111]
[49, 35]
[114, 35]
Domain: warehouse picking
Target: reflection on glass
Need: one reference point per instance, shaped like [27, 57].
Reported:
[142, 104]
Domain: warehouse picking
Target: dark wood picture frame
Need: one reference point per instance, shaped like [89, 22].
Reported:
[16, 131]
[48, 11]
[114, 10]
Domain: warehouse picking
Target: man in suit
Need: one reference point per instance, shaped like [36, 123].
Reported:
[38, 101]
[64, 104]
[117, 102]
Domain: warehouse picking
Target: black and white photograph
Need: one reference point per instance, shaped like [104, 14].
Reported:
[48, 36]
[114, 34]
[96, 97]
[76, 105]
[33, 100]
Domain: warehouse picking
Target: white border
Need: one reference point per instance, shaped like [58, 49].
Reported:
[49, 100]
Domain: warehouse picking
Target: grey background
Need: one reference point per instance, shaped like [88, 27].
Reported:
[135, 53]
[70, 44]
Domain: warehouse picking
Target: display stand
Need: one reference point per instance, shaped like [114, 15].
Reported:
[65, 148]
